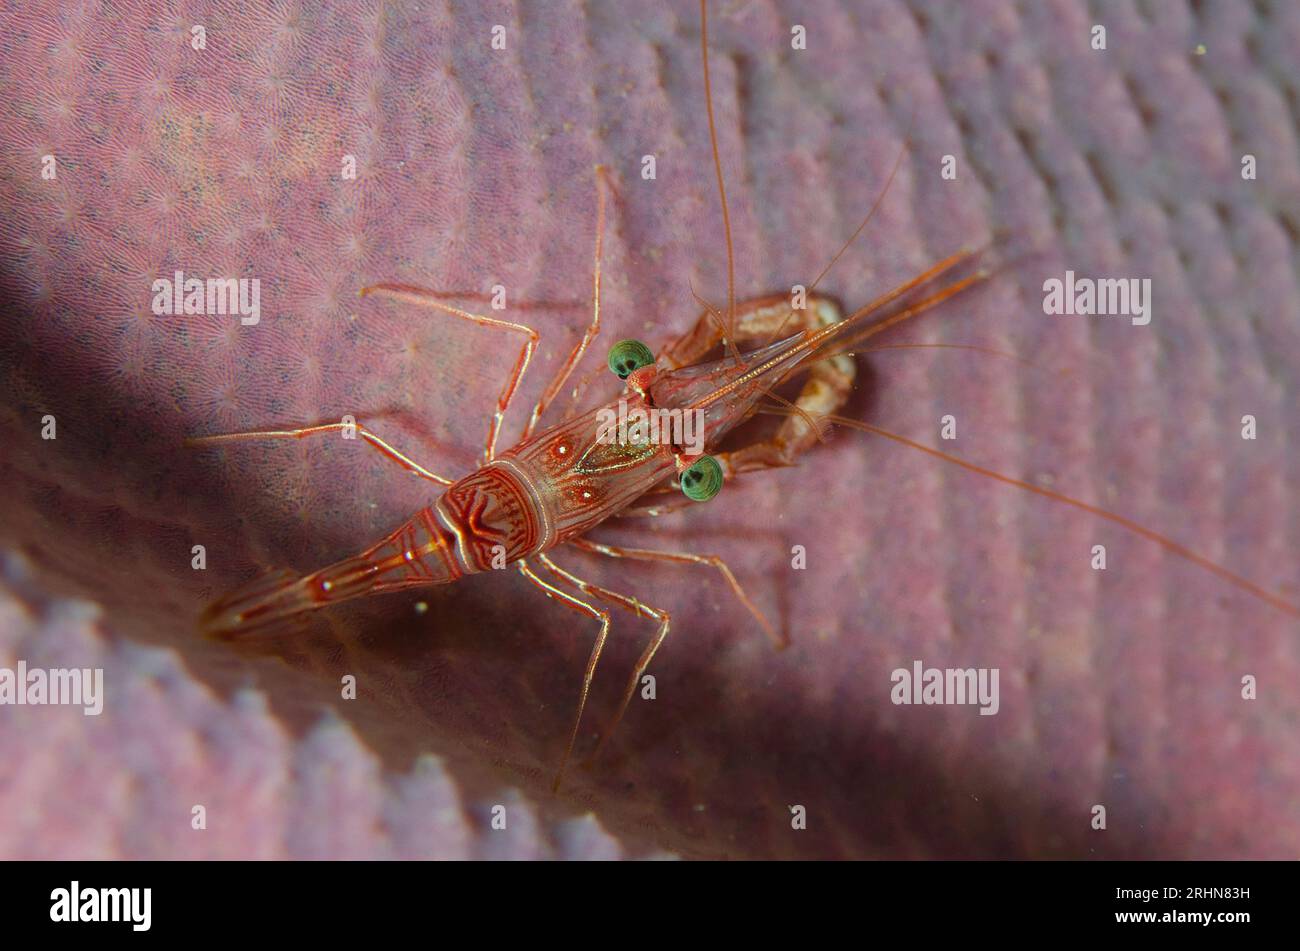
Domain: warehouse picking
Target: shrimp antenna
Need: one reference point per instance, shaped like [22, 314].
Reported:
[847, 244]
[727, 341]
[1169, 545]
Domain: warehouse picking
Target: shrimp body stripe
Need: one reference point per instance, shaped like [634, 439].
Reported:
[535, 494]
[501, 479]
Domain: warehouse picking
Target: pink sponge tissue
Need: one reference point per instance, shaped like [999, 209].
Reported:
[320, 148]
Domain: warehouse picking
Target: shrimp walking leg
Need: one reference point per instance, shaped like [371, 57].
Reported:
[581, 607]
[423, 297]
[633, 606]
[580, 348]
[371, 439]
[686, 558]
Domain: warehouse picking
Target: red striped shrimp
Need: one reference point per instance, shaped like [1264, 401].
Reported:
[558, 483]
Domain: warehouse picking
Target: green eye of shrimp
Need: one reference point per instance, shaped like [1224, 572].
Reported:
[702, 480]
[627, 356]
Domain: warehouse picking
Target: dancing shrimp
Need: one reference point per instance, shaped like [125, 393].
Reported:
[556, 484]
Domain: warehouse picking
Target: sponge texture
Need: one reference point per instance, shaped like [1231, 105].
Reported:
[1120, 688]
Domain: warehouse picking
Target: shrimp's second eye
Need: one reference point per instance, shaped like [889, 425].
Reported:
[628, 356]
[702, 480]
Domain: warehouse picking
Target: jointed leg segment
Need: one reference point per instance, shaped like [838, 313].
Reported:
[686, 558]
[427, 298]
[582, 607]
[826, 389]
[370, 438]
[580, 348]
[633, 606]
